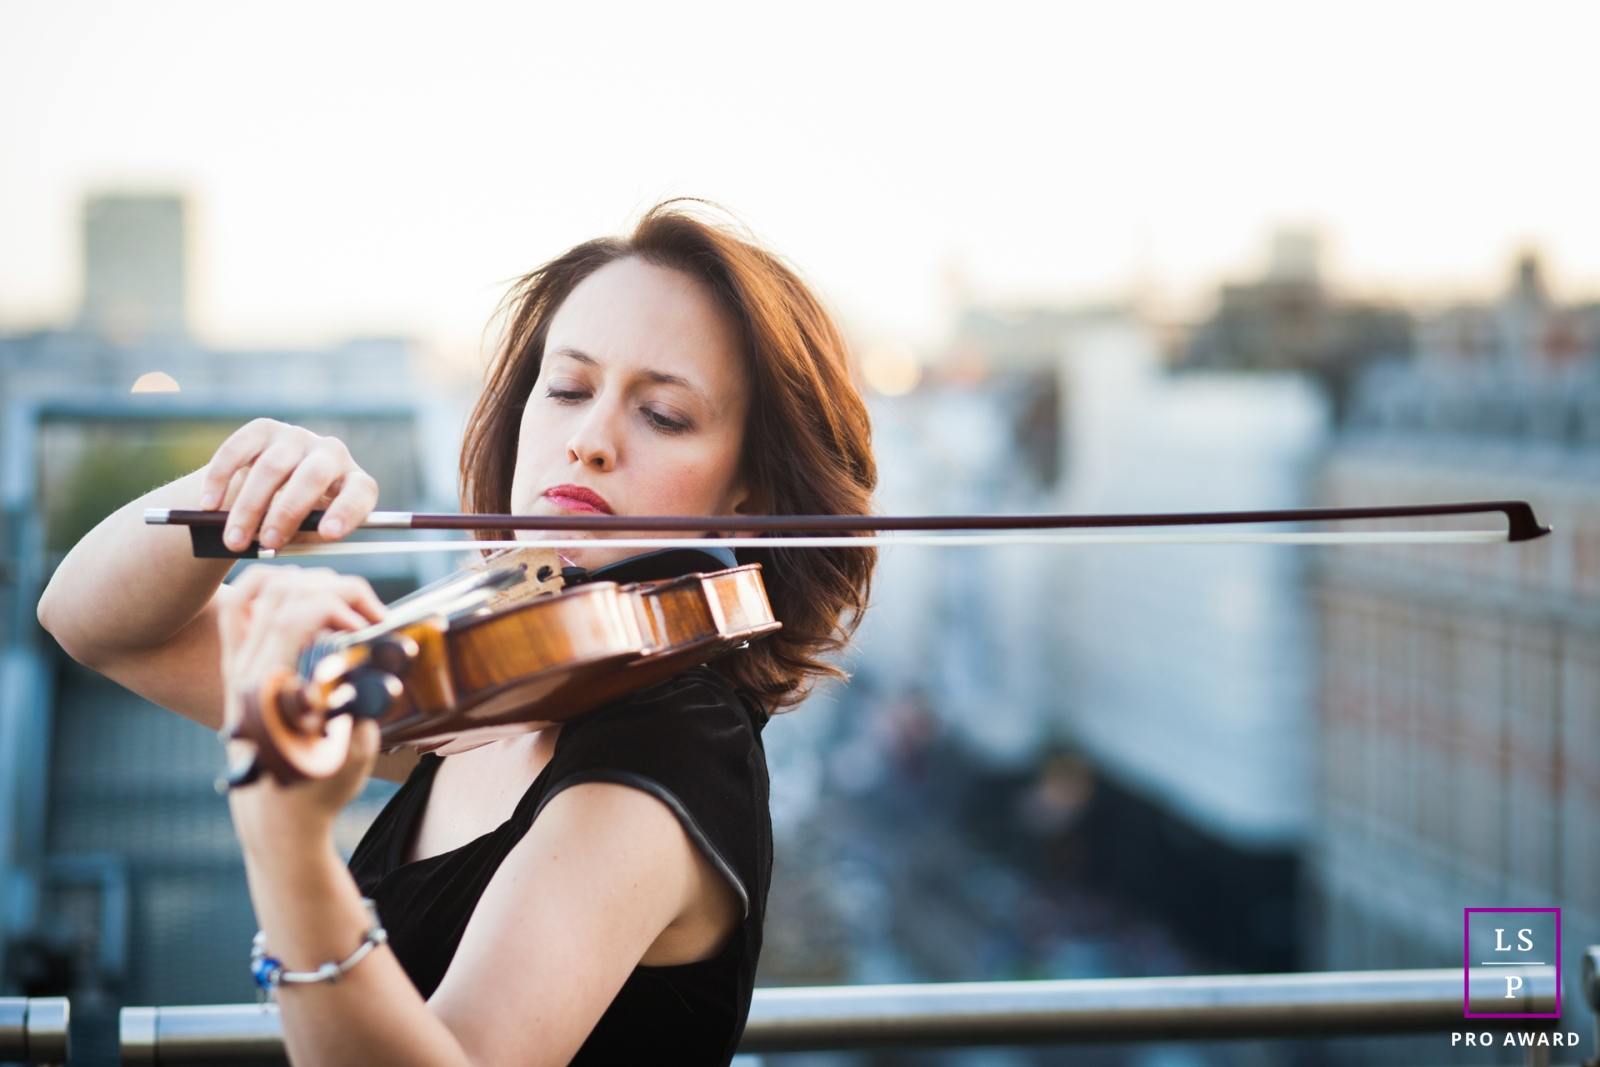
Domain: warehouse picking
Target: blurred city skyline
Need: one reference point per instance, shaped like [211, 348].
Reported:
[362, 170]
[1120, 258]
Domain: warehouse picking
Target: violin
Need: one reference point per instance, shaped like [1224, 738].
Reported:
[491, 653]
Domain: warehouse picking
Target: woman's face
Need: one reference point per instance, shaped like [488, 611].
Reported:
[639, 408]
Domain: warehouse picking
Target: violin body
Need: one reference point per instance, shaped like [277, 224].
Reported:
[454, 681]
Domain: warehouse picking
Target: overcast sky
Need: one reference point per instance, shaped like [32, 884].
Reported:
[387, 167]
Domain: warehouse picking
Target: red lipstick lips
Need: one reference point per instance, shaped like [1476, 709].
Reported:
[577, 498]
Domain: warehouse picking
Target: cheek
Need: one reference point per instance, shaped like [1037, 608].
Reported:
[682, 481]
[539, 445]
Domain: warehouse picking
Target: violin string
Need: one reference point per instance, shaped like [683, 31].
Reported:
[457, 592]
[1356, 537]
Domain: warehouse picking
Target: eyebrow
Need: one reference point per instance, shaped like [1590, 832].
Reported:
[659, 377]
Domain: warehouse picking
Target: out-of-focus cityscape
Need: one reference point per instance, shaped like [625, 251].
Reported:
[1113, 761]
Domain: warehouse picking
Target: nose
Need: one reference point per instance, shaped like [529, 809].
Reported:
[594, 442]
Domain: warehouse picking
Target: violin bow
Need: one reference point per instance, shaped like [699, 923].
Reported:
[861, 531]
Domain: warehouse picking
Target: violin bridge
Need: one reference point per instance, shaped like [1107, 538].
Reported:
[542, 568]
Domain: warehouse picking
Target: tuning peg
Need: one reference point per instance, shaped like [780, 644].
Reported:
[375, 691]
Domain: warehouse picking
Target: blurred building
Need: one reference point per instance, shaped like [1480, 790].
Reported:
[1526, 334]
[1290, 319]
[135, 276]
[122, 880]
[1187, 668]
[1179, 674]
[1460, 736]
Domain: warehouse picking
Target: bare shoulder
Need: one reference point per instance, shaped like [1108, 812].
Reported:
[610, 821]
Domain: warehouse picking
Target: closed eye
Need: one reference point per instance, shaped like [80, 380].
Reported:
[566, 396]
[664, 423]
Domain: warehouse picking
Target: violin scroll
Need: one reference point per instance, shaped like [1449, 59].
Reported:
[294, 734]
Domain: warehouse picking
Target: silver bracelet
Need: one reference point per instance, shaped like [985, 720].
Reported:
[269, 971]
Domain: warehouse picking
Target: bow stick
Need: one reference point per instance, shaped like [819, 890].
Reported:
[846, 531]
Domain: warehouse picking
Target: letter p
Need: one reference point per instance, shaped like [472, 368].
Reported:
[1513, 983]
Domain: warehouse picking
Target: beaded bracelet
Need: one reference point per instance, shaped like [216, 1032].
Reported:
[269, 972]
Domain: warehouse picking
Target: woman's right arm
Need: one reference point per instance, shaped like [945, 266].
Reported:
[132, 602]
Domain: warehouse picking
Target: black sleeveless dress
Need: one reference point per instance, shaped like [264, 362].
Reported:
[691, 743]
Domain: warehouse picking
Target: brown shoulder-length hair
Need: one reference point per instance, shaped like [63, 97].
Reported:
[807, 439]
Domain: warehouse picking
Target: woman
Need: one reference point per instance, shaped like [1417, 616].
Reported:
[591, 893]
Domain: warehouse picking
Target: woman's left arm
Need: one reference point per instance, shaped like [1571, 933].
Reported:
[579, 901]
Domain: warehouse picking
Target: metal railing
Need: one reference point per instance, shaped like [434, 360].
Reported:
[34, 1029]
[962, 1014]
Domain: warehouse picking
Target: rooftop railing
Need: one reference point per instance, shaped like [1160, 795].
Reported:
[34, 1029]
[964, 1014]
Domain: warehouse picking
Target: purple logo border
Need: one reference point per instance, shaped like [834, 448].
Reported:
[1466, 966]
